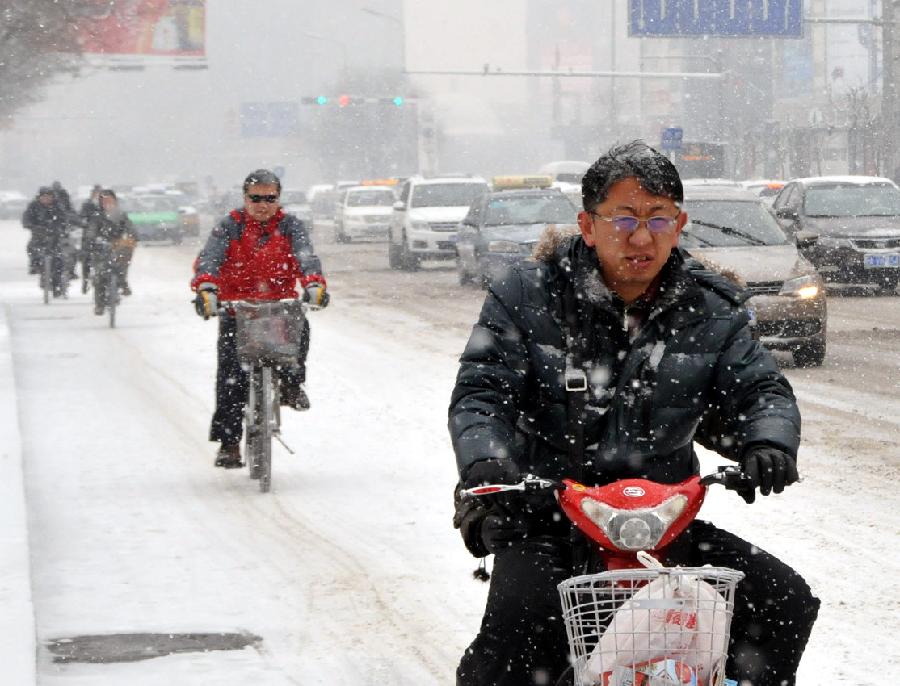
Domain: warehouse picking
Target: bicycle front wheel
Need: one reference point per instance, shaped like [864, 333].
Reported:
[267, 425]
[47, 277]
[251, 421]
[112, 297]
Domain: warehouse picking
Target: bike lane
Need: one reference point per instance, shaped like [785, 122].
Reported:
[17, 627]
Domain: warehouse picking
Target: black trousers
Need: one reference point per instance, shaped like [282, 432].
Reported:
[522, 641]
[232, 382]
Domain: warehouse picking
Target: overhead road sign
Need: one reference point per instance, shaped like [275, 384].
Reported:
[671, 138]
[269, 119]
[733, 18]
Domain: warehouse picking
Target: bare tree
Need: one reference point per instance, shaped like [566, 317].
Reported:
[38, 39]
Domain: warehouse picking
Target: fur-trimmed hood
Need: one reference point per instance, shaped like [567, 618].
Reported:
[557, 241]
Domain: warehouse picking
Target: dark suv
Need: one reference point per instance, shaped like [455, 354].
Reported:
[857, 223]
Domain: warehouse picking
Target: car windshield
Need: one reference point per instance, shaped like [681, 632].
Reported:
[157, 204]
[530, 209]
[852, 200]
[447, 194]
[374, 198]
[293, 198]
[729, 223]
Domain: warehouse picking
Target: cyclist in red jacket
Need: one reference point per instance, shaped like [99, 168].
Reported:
[255, 253]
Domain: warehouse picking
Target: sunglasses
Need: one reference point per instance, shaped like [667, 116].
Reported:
[263, 198]
[630, 224]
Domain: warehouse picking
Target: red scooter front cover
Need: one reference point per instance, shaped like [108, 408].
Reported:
[628, 495]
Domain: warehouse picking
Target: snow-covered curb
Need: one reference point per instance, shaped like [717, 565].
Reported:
[17, 649]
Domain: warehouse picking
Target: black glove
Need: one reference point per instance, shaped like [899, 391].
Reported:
[768, 469]
[489, 524]
[206, 301]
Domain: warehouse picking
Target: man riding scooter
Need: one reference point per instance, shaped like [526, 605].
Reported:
[604, 359]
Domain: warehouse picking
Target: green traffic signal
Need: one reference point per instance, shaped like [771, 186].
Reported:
[398, 101]
[322, 100]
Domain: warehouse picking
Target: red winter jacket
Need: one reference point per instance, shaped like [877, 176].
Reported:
[248, 260]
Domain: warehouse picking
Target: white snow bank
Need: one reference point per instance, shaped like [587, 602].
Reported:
[17, 649]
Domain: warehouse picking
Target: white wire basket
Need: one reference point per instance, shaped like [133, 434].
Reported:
[650, 627]
[269, 333]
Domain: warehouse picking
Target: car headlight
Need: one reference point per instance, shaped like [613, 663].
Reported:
[504, 246]
[419, 226]
[803, 287]
[634, 529]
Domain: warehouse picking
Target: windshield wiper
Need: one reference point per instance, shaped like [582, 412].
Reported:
[694, 237]
[730, 231]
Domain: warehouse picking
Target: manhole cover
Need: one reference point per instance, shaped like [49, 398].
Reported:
[134, 647]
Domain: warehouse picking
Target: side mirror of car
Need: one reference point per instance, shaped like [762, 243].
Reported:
[806, 239]
[788, 213]
[399, 206]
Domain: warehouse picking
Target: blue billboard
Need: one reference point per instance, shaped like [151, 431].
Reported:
[733, 18]
[269, 119]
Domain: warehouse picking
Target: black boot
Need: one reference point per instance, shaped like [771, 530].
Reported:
[229, 456]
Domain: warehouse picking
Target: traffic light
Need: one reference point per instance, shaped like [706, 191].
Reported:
[345, 100]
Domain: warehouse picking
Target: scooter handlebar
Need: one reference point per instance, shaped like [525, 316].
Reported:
[730, 476]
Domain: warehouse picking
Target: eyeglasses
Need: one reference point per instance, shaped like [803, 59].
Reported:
[263, 198]
[630, 224]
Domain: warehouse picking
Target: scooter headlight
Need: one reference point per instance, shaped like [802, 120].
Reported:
[634, 529]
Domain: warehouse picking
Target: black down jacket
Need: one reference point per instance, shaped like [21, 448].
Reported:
[692, 372]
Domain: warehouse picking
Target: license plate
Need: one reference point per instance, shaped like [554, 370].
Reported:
[882, 261]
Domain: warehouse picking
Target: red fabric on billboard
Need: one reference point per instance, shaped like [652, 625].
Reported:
[145, 27]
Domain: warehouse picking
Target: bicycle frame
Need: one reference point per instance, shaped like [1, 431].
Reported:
[262, 413]
[106, 280]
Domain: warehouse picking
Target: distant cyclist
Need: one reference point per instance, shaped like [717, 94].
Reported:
[255, 253]
[39, 218]
[113, 238]
[48, 220]
[90, 210]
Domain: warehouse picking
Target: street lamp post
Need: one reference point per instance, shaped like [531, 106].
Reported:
[401, 28]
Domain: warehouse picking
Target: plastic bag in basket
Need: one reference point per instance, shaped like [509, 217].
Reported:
[679, 617]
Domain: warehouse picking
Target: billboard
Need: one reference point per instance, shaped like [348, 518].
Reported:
[173, 28]
[734, 18]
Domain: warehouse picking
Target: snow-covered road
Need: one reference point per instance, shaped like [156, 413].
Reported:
[349, 570]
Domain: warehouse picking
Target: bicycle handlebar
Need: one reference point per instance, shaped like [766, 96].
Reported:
[224, 305]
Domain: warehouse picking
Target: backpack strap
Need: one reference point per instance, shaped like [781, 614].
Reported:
[575, 378]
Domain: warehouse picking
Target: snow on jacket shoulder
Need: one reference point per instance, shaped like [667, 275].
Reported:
[248, 260]
[693, 372]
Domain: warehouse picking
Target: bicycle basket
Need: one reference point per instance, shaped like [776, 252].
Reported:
[650, 627]
[268, 333]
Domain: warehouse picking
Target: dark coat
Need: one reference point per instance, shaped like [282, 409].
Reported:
[111, 229]
[692, 373]
[48, 225]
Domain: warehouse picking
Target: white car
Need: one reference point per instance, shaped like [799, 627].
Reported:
[426, 215]
[294, 202]
[364, 213]
[12, 204]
